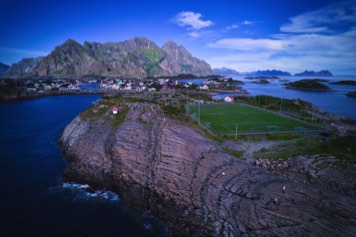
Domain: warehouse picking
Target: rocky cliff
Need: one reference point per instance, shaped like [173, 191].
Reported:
[191, 183]
[138, 57]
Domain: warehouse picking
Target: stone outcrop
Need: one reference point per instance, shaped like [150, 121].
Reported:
[320, 171]
[192, 184]
[138, 57]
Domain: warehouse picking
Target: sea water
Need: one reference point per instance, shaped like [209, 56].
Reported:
[34, 199]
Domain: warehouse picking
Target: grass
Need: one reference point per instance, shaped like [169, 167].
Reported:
[282, 136]
[223, 118]
[99, 109]
[343, 148]
[237, 154]
[120, 117]
[194, 124]
[94, 112]
[301, 109]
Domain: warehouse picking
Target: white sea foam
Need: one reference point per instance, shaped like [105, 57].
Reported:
[147, 226]
[86, 192]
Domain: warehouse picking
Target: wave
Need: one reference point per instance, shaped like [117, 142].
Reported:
[83, 192]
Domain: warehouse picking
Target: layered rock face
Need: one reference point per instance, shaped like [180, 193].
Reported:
[138, 57]
[192, 184]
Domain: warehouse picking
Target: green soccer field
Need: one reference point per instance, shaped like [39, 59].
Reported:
[224, 118]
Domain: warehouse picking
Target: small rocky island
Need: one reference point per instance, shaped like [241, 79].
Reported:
[261, 81]
[309, 85]
[157, 160]
[351, 94]
[344, 82]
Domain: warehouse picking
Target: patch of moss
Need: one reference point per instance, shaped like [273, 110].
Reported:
[93, 112]
[174, 111]
[341, 147]
[99, 109]
[263, 149]
[237, 154]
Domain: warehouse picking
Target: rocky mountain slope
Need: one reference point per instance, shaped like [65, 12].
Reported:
[3, 68]
[138, 57]
[191, 183]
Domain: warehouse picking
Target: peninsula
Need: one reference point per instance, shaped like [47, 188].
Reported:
[157, 158]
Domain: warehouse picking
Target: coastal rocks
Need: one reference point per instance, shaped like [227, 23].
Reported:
[192, 184]
[321, 171]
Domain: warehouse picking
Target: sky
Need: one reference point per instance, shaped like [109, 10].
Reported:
[293, 35]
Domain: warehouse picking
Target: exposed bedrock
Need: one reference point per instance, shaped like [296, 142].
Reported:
[192, 184]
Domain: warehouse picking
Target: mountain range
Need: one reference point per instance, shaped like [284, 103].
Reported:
[137, 57]
[225, 71]
[322, 73]
[228, 71]
[273, 72]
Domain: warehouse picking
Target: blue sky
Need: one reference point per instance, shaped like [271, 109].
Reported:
[293, 35]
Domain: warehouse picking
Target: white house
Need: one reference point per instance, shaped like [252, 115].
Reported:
[228, 99]
[204, 87]
[115, 110]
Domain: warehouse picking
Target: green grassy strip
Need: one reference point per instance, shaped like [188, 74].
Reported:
[120, 117]
[237, 154]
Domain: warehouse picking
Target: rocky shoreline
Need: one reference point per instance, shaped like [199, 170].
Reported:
[190, 182]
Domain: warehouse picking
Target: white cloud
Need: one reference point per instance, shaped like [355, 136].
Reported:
[231, 27]
[194, 34]
[191, 20]
[248, 22]
[289, 52]
[234, 26]
[248, 44]
[321, 39]
[320, 20]
[32, 53]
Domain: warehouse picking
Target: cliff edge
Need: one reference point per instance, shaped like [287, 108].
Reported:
[191, 183]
